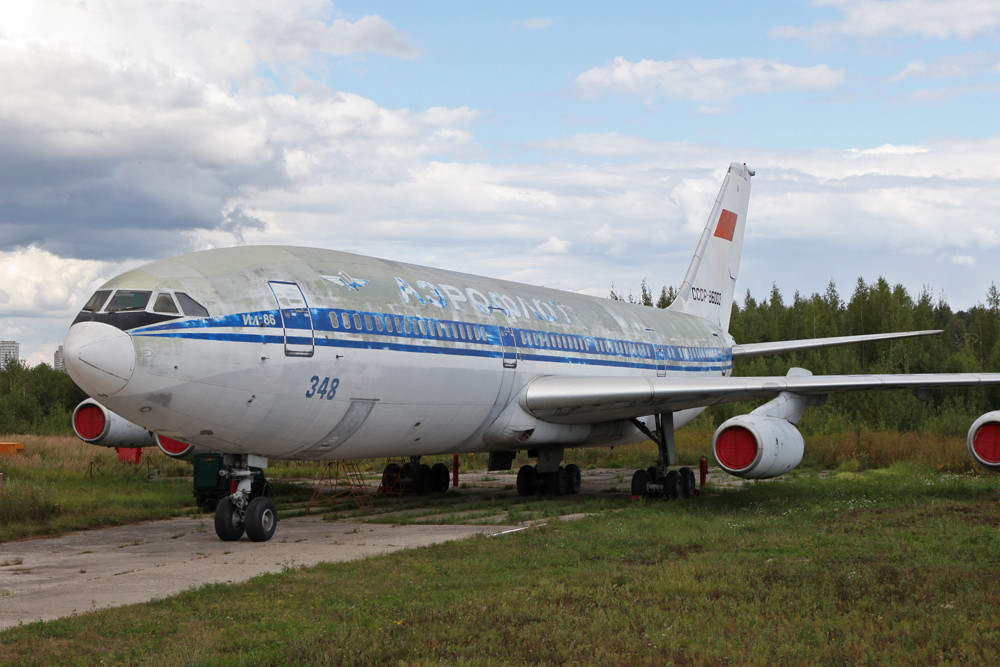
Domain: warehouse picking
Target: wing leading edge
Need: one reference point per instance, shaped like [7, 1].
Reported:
[588, 400]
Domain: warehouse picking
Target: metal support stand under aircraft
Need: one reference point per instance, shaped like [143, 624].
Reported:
[656, 481]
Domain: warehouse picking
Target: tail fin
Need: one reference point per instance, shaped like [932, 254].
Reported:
[708, 287]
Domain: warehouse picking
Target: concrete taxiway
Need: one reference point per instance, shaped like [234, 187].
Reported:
[49, 578]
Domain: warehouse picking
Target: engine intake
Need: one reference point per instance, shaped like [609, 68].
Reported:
[177, 449]
[984, 440]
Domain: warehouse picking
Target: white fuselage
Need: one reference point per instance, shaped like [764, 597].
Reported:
[316, 354]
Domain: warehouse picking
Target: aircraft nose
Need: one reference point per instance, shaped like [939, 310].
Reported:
[99, 357]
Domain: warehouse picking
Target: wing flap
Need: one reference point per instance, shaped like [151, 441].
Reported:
[587, 400]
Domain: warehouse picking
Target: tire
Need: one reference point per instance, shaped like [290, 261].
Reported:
[261, 519]
[671, 486]
[687, 482]
[573, 475]
[426, 479]
[526, 480]
[410, 477]
[640, 480]
[228, 521]
[440, 478]
[391, 478]
[557, 482]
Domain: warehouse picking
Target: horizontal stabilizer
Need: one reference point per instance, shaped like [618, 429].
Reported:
[779, 346]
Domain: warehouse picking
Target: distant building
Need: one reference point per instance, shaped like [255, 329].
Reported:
[10, 350]
[57, 360]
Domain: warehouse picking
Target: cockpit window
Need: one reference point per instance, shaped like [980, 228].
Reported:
[191, 307]
[165, 304]
[128, 300]
[96, 301]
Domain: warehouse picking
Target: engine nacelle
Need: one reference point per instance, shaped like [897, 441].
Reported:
[984, 440]
[177, 449]
[97, 425]
[757, 446]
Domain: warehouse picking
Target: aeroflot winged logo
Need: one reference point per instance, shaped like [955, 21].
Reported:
[345, 280]
[727, 225]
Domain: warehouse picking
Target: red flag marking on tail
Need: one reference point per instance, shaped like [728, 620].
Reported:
[726, 226]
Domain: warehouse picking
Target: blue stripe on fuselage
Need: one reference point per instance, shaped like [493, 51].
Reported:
[381, 331]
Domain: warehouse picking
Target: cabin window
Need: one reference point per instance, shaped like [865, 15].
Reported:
[129, 300]
[423, 326]
[399, 325]
[388, 325]
[191, 307]
[368, 322]
[97, 300]
[357, 321]
[346, 319]
[334, 321]
[165, 304]
[406, 327]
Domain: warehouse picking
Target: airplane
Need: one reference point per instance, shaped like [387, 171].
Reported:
[274, 352]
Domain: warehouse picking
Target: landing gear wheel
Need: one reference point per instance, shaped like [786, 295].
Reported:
[687, 482]
[557, 482]
[228, 521]
[526, 480]
[640, 480]
[573, 475]
[261, 519]
[423, 483]
[671, 485]
[439, 478]
[391, 481]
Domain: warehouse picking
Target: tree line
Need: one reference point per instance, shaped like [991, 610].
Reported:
[41, 400]
[970, 343]
[37, 400]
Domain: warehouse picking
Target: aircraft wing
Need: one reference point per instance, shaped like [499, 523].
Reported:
[775, 347]
[588, 400]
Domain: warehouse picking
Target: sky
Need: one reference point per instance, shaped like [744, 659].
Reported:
[570, 144]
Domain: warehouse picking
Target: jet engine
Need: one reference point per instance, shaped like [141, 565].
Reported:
[765, 443]
[97, 425]
[756, 446]
[984, 440]
[177, 449]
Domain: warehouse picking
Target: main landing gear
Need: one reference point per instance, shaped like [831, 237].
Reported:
[248, 508]
[656, 481]
[415, 477]
[548, 477]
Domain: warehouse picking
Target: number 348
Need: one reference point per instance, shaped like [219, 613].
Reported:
[323, 388]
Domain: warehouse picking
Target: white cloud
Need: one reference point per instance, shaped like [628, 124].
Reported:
[931, 19]
[962, 66]
[538, 24]
[554, 246]
[710, 80]
[964, 260]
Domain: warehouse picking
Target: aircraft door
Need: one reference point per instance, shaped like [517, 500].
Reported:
[508, 344]
[296, 319]
[658, 352]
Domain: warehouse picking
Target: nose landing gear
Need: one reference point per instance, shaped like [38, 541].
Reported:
[248, 508]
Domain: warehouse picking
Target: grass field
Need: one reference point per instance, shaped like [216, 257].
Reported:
[862, 565]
